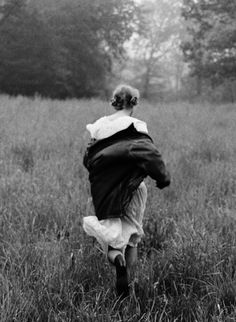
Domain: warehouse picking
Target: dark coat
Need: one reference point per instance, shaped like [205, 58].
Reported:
[117, 165]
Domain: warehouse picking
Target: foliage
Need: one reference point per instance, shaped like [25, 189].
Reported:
[156, 63]
[186, 269]
[26, 65]
[63, 48]
[211, 49]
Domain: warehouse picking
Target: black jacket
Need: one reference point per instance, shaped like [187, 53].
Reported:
[117, 165]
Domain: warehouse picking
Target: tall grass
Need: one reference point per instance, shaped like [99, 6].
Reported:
[51, 271]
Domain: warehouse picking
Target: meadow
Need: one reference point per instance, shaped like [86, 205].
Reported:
[51, 271]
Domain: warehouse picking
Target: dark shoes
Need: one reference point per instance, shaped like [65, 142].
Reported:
[116, 257]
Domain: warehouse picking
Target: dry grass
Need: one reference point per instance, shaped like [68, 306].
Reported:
[186, 270]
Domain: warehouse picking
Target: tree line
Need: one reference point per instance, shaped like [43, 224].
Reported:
[77, 48]
[211, 47]
[61, 48]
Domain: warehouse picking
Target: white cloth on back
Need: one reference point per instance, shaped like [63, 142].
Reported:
[105, 127]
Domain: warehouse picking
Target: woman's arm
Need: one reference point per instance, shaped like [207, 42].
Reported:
[146, 156]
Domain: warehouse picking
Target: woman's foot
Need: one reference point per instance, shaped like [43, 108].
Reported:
[116, 253]
[117, 258]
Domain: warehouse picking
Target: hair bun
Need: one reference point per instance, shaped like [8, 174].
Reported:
[113, 102]
[125, 97]
[134, 101]
[117, 102]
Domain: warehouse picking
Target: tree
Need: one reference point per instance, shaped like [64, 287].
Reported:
[62, 47]
[157, 36]
[26, 65]
[211, 49]
[7, 8]
[91, 34]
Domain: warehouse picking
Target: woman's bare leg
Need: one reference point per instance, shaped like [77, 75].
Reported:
[131, 255]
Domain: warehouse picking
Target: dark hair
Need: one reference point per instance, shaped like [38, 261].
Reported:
[124, 97]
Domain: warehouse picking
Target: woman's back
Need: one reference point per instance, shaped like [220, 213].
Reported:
[109, 125]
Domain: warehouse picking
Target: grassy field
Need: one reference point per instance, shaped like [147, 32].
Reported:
[187, 260]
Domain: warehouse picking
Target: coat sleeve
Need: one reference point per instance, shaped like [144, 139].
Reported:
[149, 159]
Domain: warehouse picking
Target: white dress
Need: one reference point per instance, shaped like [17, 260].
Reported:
[128, 230]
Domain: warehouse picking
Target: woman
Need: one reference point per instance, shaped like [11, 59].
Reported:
[120, 156]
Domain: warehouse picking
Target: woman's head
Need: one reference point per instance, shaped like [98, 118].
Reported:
[125, 97]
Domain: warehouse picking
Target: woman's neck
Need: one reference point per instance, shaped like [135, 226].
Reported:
[125, 112]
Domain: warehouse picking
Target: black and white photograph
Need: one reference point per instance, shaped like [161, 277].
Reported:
[117, 160]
